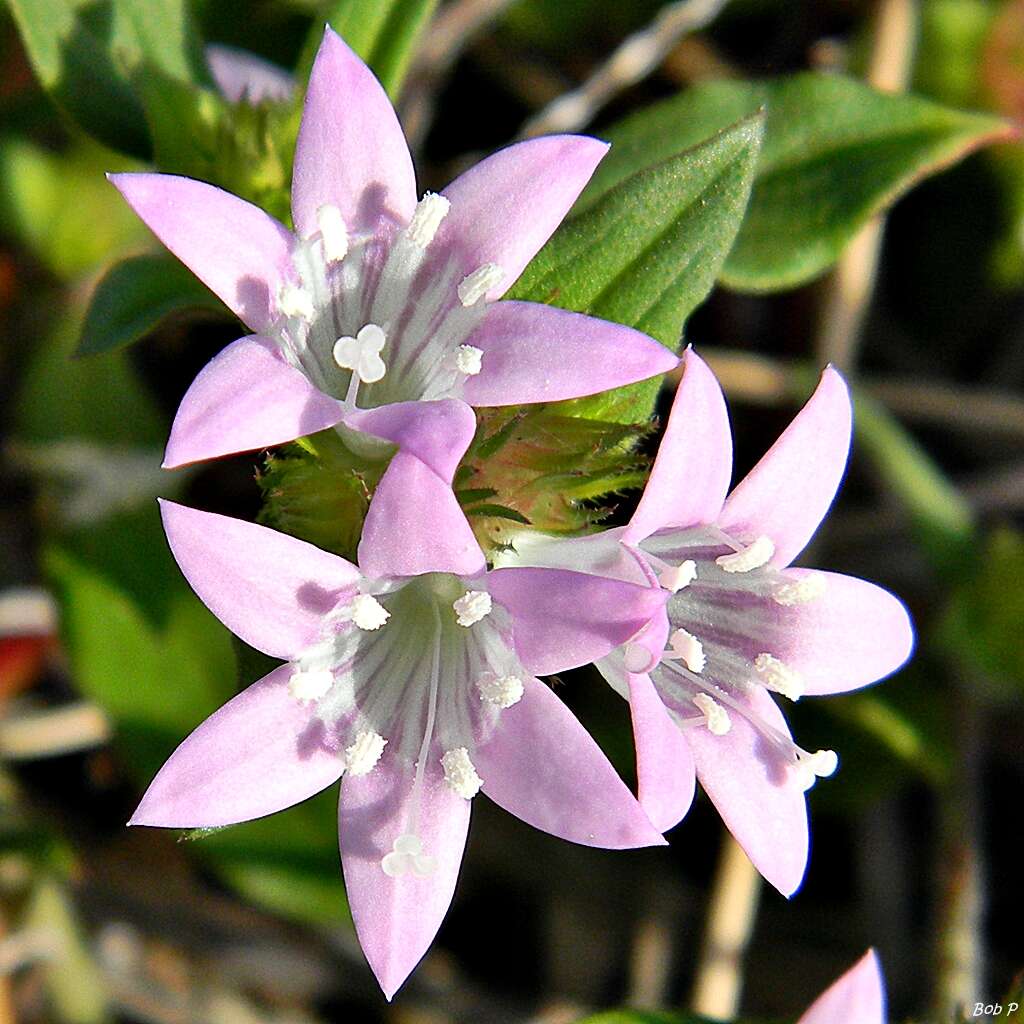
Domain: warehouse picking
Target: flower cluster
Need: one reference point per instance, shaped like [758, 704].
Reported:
[412, 675]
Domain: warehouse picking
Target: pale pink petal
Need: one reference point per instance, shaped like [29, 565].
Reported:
[239, 252]
[396, 919]
[261, 752]
[270, 589]
[858, 997]
[760, 801]
[536, 353]
[415, 525]
[351, 151]
[542, 766]
[786, 495]
[507, 206]
[563, 619]
[665, 771]
[690, 476]
[853, 634]
[241, 75]
[437, 433]
[246, 398]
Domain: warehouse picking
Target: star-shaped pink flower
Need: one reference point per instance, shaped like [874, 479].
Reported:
[411, 677]
[740, 628]
[378, 298]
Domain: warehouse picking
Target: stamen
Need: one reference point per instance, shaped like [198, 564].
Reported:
[407, 856]
[361, 354]
[362, 755]
[469, 360]
[476, 285]
[715, 716]
[333, 233]
[366, 612]
[688, 649]
[753, 557]
[636, 658]
[310, 685]
[801, 591]
[811, 767]
[501, 691]
[778, 676]
[295, 302]
[426, 219]
[675, 577]
[460, 774]
[473, 606]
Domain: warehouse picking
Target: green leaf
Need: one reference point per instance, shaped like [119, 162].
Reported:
[648, 251]
[87, 56]
[835, 153]
[644, 1017]
[383, 32]
[134, 296]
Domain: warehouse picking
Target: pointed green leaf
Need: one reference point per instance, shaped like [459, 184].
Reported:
[135, 295]
[835, 153]
[648, 251]
[87, 55]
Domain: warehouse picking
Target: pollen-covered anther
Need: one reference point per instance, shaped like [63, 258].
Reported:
[800, 591]
[460, 774]
[366, 612]
[636, 658]
[469, 360]
[778, 676]
[333, 233]
[426, 219]
[310, 685]
[407, 857]
[475, 286]
[688, 649]
[811, 767]
[363, 753]
[361, 354]
[676, 577]
[749, 558]
[473, 606]
[500, 691]
[716, 718]
[295, 302]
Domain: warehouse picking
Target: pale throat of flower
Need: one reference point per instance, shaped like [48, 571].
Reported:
[451, 618]
[410, 328]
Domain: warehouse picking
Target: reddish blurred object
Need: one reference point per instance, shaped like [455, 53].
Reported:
[28, 633]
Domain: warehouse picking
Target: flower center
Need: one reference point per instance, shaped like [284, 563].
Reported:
[388, 317]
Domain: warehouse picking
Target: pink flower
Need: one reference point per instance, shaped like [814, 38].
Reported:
[858, 997]
[377, 298]
[740, 628]
[413, 677]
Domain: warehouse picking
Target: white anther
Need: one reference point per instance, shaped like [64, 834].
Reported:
[333, 233]
[460, 774]
[753, 557]
[476, 285]
[407, 856]
[296, 302]
[778, 676]
[811, 767]
[675, 577]
[716, 718]
[426, 219]
[800, 591]
[469, 360]
[473, 606]
[501, 691]
[689, 649]
[636, 658]
[362, 755]
[310, 685]
[366, 612]
[361, 354]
